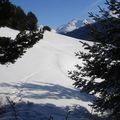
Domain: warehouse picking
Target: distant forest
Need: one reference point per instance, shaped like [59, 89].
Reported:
[14, 17]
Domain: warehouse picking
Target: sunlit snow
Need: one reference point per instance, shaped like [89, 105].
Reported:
[41, 75]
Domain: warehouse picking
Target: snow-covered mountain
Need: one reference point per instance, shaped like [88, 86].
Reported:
[41, 77]
[88, 21]
[72, 25]
[84, 32]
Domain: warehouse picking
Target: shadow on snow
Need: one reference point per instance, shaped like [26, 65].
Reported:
[51, 91]
[32, 111]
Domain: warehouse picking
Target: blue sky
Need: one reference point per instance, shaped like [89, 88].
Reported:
[57, 12]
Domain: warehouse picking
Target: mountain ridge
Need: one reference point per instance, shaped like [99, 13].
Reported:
[72, 25]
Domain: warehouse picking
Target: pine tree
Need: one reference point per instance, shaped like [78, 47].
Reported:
[18, 19]
[46, 28]
[11, 50]
[5, 11]
[101, 71]
[14, 17]
[31, 21]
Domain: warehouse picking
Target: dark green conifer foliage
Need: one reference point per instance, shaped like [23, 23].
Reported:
[14, 16]
[102, 62]
[46, 28]
[31, 21]
[18, 19]
[4, 14]
[11, 50]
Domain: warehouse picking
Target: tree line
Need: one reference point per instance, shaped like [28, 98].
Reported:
[14, 17]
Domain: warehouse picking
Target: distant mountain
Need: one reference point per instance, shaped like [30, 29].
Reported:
[72, 25]
[80, 33]
[84, 32]
[86, 21]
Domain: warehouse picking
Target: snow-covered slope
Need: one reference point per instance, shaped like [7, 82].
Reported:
[7, 32]
[40, 76]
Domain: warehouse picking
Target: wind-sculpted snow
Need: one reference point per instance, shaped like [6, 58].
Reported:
[41, 77]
